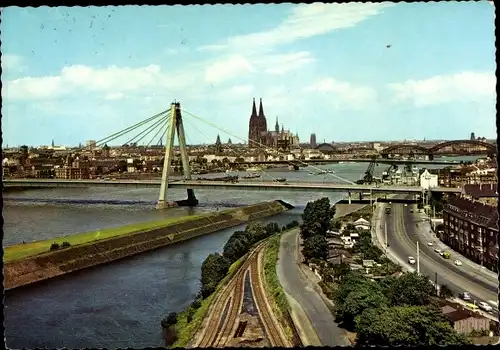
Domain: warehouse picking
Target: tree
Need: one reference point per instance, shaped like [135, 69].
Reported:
[340, 270]
[213, 270]
[406, 326]
[410, 289]
[237, 245]
[169, 320]
[445, 292]
[350, 227]
[337, 225]
[315, 247]
[368, 296]
[317, 217]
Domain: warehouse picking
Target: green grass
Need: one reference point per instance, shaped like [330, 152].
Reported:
[22, 251]
[186, 331]
[273, 286]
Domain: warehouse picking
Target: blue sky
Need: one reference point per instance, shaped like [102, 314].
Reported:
[74, 74]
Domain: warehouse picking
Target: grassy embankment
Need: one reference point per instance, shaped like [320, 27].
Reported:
[273, 287]
[25, 250]
[187, 330]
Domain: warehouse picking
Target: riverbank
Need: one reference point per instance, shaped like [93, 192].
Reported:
[130, 241]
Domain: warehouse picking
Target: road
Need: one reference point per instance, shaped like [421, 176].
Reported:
[402, 235]
[314, 310]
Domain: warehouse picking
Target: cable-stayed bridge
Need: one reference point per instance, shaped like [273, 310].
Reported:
[169, 124]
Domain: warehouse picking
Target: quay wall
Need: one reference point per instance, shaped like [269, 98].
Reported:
[63, 261]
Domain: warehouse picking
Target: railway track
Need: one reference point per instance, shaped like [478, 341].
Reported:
[213, 337]
[272, 330]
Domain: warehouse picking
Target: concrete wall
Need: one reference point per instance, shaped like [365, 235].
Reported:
[51, 264]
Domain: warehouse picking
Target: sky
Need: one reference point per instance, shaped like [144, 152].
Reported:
[346, 72]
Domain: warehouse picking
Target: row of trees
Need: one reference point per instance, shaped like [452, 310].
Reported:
[216, 265]
[395, 311]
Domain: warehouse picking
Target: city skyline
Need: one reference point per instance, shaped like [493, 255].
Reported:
[84, 73]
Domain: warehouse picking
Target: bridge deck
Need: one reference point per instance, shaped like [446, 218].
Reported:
[216, 185]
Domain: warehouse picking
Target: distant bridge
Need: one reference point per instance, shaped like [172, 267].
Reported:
[299, 162]
[448, 148]
[220, 185]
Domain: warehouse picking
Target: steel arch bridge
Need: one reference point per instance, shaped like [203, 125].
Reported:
[463, 147]
[405, 149]
[448, 148]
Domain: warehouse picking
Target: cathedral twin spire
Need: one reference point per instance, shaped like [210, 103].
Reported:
[261, 110]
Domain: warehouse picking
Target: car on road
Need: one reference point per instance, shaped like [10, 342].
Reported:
[484, 306]
[464, 296]
[458, 262]
[437, 250]
[430, 244]
[411, 260]
[411, 210]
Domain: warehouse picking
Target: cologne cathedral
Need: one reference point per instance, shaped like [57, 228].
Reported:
[259, 136]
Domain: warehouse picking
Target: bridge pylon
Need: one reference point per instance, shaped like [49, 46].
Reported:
[176, 125]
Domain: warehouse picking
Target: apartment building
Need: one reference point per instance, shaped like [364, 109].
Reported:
[470, 227]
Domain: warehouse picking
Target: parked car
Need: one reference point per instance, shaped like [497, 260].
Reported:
[411, 260]
[464, 296]
[485, 306]
[458, 263]
[446, 255]
[430, 244]
[437, 250]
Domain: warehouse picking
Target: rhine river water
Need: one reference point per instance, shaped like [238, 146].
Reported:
[122, 304]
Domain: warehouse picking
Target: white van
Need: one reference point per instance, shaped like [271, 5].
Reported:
[411, 260]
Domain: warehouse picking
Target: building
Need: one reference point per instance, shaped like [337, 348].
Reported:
[484, 193]
[313, 141]
[257, 125]
[259, 136]
[470, 228]
[461, 319]
[428, 180]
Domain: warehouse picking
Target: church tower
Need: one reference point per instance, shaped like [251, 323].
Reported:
[253, 127]
[262, 119]
[277, 126]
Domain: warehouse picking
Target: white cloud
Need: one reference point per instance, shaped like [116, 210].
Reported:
[281, 64]
[110, 80]
[11, 62]
[304, 21]
[344, 94]
[226, 69]
[465, 86]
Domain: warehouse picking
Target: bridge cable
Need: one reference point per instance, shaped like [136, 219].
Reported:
[163, 128]
[237, 155]
[148, 130]
[130, 128]
[266, 148]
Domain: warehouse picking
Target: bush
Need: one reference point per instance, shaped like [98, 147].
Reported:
[65, 244]
[195, 305]
[190, 314]
[54, 246]
[169, 320]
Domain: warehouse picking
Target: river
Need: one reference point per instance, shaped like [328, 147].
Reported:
[121, 304]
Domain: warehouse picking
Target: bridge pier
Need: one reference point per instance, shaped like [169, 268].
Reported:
[175, 125]
[349, 198]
